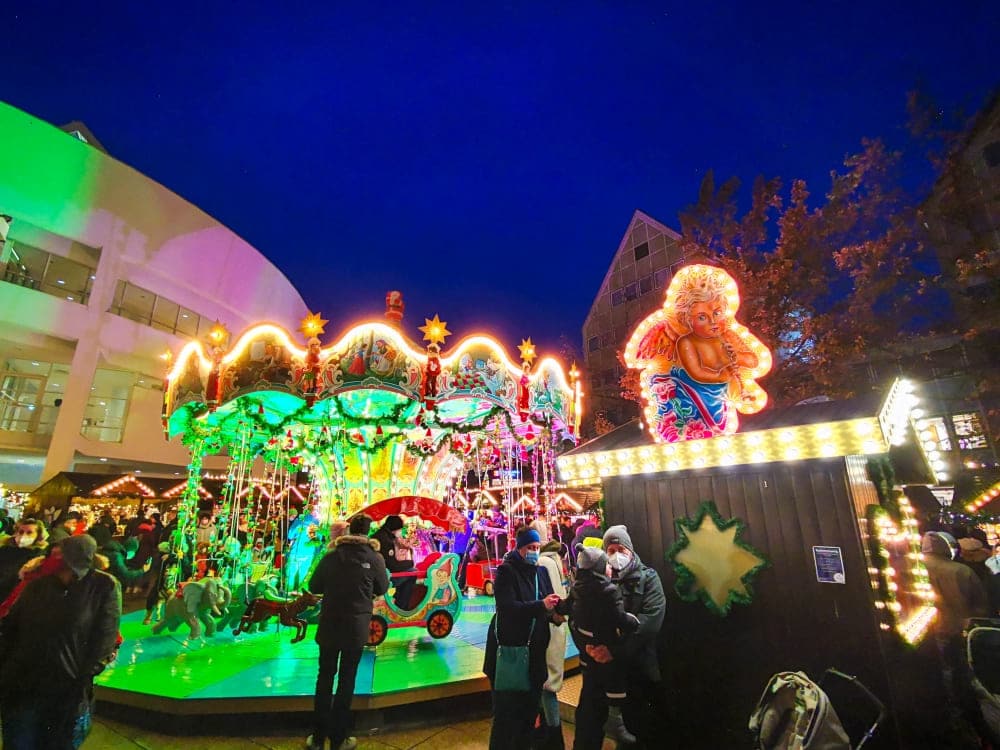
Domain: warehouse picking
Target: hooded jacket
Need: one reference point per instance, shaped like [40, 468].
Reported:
[960, 595]
[519, 588]
[597, 613]
[57, 634]
[348, 578]
[115, 553]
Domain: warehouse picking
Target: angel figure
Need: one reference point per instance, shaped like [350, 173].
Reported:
[699, 365]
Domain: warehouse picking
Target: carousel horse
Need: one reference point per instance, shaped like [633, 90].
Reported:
[261, 610]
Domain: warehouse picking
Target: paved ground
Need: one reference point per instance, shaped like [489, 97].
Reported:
[111, 735]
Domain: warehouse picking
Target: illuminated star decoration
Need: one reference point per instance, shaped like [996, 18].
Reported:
[312, 325]
[527, 350]
[712, 562]
[218, 333]
[435, 330]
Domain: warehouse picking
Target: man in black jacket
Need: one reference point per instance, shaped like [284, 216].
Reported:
[348, 578]
[60, 633]
[642, 593]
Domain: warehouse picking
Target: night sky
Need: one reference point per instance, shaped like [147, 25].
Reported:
[483, 158]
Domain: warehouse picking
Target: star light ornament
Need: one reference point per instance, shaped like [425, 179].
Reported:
[435, 330]
[712, 562]
[527, 349]
[312, 325]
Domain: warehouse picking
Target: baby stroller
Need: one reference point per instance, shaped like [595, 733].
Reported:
[795, 713]
[982, 641]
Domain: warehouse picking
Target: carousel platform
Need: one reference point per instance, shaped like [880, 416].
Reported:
[264, 673]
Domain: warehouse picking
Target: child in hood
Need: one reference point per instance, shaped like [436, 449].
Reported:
[598, 618]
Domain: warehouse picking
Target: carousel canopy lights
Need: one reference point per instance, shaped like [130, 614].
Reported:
[862, 436]
[987, 496]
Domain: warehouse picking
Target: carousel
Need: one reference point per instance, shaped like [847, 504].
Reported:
[316, 433]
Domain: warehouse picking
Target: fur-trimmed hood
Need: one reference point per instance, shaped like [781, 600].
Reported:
[357, 539]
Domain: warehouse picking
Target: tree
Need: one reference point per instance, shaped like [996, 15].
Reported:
[825, 282]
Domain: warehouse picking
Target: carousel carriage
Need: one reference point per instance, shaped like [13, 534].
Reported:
[436, 600]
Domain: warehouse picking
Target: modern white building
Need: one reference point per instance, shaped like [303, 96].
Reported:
[103, 270]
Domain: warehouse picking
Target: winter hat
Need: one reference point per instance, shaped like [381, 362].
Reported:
[552, 546]
[361, 525]
[78, 553]
[939, 544]
[968, 544]
[618, 535]
[338, 529]
[591, 558]
[393, 523]
[527, 536]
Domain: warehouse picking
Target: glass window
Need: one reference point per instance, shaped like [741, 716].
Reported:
[641, 251]
[137, 304]
[660, 278]
[187, 322]
[617, 297]
[165, 314]
[969, 431]
[594, 343]
[631, 291]
[19, 397]
[36, 269]
[107, 407]
[646, 284]
[933, 431]
[992, 154]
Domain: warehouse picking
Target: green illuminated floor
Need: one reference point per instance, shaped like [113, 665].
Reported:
[268, 665]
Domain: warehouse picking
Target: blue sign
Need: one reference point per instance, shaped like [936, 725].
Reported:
[829, 565]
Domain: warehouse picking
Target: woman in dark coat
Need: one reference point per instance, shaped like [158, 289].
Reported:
[524, 602]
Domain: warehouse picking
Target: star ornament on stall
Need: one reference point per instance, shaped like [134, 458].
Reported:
[711, 561]
[312, 325]
[435, 330]
[527, 350]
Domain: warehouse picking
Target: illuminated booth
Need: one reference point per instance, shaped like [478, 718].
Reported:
[786, 546]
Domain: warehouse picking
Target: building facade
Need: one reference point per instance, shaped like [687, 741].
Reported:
[633, 287]
[103, 271]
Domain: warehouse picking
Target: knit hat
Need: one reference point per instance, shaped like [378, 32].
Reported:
[618, 535]
[968, 544]
[393, 523]
[78, 553]
[591, 558]
[527, 536]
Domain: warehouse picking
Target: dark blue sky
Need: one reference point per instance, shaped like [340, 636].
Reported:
[483, 158]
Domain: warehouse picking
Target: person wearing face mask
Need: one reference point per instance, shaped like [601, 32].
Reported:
[29, 540]
[642, 596]
[525, 604]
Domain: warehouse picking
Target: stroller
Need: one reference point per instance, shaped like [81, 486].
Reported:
[982, 642]
[795, 713]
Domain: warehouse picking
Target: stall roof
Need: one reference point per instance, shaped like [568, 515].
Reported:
[867, 425]
[69, 484]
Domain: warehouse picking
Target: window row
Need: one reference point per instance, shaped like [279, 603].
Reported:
[153, 310]
[33, 268]
[31, 393]
[636, 289]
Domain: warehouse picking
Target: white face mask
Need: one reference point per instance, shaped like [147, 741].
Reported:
[24, 540]
[619, 560]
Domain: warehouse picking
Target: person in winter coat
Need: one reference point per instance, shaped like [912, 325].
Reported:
[598, 618]
[348, 577]
[398, 558]
[60, 633]
[115, 553]
[66, 526]
[524, 601]
[555, 655]
[30, 539]
[642, 594]
[959, 596]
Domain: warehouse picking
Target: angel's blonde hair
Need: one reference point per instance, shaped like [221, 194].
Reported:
[700, 286]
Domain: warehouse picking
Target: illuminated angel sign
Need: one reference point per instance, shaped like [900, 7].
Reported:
[698, 365]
